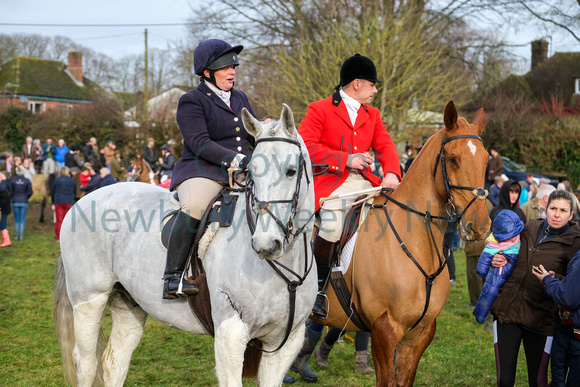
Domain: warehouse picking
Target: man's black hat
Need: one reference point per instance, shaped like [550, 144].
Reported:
[358, 67]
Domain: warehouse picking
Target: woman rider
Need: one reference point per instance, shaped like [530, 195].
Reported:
[214, 139]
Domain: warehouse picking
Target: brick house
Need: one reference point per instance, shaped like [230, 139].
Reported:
[41, 85]
[555, 77]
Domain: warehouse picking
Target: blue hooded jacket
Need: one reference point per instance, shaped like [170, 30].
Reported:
[506, 225]
[567, 291]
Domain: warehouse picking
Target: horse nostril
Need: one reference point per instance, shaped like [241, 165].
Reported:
[470, 226]
[276, 247]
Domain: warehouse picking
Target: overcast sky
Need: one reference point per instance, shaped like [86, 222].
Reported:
[117, 42]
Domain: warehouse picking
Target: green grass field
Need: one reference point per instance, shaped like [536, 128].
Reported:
[461, 353]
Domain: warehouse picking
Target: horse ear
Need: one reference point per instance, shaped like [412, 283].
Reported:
[480, 121]
[251, 124]
[287, 119]
[450, 117]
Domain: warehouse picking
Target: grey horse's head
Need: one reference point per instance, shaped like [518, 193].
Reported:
[276, 166]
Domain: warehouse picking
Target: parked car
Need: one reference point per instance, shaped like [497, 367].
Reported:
[515, 172]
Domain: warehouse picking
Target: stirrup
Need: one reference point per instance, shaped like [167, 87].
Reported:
[194, 289]
[324, 303]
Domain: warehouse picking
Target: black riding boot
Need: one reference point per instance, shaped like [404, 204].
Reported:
[324, 252]
[180, 240]
[300, 364]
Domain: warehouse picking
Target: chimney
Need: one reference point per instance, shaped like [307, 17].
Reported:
[539, 52]
[75, 65]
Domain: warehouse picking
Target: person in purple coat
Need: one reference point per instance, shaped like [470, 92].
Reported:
[214, 139]
[566, 344]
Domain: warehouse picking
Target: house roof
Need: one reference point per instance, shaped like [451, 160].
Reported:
[44, 78]
[555, 76]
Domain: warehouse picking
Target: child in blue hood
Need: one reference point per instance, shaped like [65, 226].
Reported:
[504, 239]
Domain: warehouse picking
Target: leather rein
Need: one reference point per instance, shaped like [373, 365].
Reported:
[258, 207]
[452, 219]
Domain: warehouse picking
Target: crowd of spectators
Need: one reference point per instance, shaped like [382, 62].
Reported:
[70, 173]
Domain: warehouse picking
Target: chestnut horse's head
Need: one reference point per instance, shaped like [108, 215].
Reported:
[138, 162]
[463, 163]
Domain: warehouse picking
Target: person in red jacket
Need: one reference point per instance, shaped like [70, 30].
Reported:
[340, 131]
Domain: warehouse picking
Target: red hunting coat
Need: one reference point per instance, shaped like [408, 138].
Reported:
[331, 138]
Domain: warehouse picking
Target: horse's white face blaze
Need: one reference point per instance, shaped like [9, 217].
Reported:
[472, 147]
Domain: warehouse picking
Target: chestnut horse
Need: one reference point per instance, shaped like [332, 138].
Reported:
[142, 171]
[398, 276]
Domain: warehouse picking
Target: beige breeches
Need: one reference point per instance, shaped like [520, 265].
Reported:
[330, 222]
[195, 195]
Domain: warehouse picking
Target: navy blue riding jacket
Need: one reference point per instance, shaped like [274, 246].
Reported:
[213, 134]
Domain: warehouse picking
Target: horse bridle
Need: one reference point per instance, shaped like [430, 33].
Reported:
[264, 207]
[452, 219]
[478, 193]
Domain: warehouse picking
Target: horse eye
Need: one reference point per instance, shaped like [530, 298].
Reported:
[453, 161]
[290, 172]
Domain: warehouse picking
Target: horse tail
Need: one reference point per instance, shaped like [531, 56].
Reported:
[252, 358]
[64, 323]
[63, 320]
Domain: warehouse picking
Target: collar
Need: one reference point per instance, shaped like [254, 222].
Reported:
[352, 106]
[350, 102]
[224, 95]
[547, 232]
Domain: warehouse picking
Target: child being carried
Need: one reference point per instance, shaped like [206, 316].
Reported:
[504, 239]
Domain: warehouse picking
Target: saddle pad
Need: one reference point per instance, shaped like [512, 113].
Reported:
[348, 248]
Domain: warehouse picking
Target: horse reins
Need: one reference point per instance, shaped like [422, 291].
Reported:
[264, 207]
[452, 219]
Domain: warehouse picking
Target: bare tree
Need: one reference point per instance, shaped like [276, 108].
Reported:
[563, 15]
[297, 47]
[32, 45]
[8, 48]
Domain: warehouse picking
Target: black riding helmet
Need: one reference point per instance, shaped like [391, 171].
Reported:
[214, 54]
[357, 67]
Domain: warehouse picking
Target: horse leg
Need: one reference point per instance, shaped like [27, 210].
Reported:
[409, 353]
[88, 318]
[384, 340]
[231, 338]
[126, 333]
[274, 365]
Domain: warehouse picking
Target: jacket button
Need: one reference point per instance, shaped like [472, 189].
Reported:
[355, 148]
[238, 139]
[355, 133]
[236, 119]
[239, 148]
[237, 129]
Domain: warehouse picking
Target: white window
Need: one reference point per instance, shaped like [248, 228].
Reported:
[577, 86]
[65, 109]
[36, 107]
